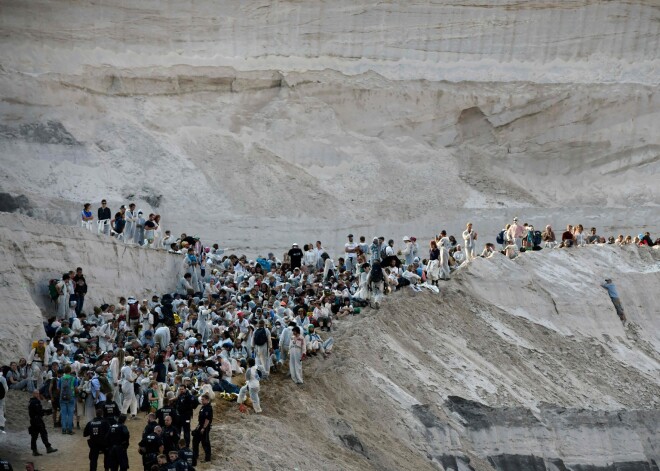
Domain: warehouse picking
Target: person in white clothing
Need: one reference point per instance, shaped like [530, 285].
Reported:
[297, 349]
[128, 378]
[459, 255]
[252, 376]
[131, 224]
[114, 369]
[469, 238]
[162, 337]
[350, 249]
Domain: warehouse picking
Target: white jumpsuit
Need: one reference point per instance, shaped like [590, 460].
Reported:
[128, 391]
[296, 349]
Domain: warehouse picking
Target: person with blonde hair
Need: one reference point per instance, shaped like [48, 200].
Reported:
[469, 238]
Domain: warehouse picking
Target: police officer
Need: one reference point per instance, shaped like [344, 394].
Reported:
[176, 464]
[168, 409]
[170, 435]
[186, 454]
[152, 423]
[151, 446]
[203, 430]
[96, 429]
[186, 403]
[37, 425]
[110, 410]
[118, 441]
[5, 465]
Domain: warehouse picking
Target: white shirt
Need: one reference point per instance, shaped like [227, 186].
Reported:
[350, 246]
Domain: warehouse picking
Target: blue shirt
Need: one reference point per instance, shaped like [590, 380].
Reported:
[611, 290]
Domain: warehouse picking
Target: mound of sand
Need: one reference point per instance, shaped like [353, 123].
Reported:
[517, 363]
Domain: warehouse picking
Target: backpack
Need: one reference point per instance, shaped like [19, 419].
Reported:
[144, 402]
[2, 391]
[105, 385]
[66, 391]
[500, 237]
[260, 337]
[133, 311]
[167, 317]
[537, 238]
[52, 290]
[376, 273]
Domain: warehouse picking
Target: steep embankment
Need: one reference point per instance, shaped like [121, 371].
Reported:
[33, 252]
[518, 364]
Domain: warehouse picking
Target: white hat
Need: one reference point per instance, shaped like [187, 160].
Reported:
[129, 359]
[406, 238]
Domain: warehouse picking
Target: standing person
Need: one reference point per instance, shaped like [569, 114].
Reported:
[252, 375]
[38, 359]
[297, 349]
[375, 283]
[68, 385]
[3, 391]
[138, 236]
[185, 404]
[443, 246]
[37, 425]
[104, 216]
[203, 430]
[469, 238]
[127, 380]
[80, 289]
[433, 268]
[118, 441]
[157, 231]
[150, 230]
[614, 296]
[87, 217]
[262, 346]
[131, 223]
[515, 232]
[97, 430]
[114, 369]
[350, 249]
[63, 293]
[296, 256]
[407, 250]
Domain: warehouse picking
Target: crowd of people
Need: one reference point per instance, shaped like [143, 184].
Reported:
[228, 326]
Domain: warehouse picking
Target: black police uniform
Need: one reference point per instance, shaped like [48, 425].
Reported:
[170, 438]
[96, 429]
[149, 428]
[185, 405]
[37, 425]
[186, 454]
[151, 444]
[164, 412]
[118, 442]
[203, 437]
[5, 465]
[111, 412]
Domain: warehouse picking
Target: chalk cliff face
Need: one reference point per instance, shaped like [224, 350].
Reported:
[386, 117]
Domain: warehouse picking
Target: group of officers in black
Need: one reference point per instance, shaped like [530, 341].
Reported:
[161, 446]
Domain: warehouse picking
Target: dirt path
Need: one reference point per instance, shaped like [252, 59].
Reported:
[72, 454]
